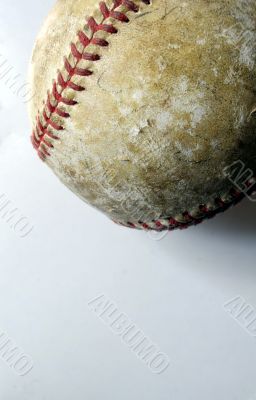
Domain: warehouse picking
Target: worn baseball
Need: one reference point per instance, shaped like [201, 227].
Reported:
[141, 106]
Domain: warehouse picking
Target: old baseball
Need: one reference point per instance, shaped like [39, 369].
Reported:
[140, 106]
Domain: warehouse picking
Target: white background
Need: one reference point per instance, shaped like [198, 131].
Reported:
[173, 289]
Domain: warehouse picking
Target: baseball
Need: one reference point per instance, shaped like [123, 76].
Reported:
[142, 107]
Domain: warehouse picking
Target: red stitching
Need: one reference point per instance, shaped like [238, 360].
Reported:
[45, 120]
[203, 212]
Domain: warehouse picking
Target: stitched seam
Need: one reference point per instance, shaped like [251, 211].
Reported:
[196, 216]
[47, 127]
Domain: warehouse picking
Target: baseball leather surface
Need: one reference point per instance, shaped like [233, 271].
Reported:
[139, 106]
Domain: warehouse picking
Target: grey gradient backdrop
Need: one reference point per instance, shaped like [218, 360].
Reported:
[173, 289]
